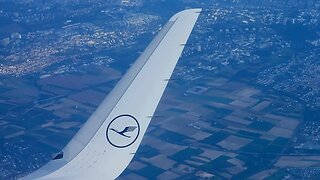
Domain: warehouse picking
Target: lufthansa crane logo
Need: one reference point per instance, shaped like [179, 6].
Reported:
[123, 131]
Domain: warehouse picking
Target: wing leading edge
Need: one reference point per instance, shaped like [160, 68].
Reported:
[107, 142]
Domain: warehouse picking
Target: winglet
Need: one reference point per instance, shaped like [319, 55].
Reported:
[107, 142]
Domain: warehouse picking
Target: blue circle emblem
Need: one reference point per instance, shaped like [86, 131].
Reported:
[123, 131]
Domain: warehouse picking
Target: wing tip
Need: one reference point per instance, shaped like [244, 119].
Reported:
[188, 12]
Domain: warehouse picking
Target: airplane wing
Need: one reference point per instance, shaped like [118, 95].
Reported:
[107, 142]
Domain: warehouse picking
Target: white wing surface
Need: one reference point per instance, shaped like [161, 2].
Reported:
[107, 142]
